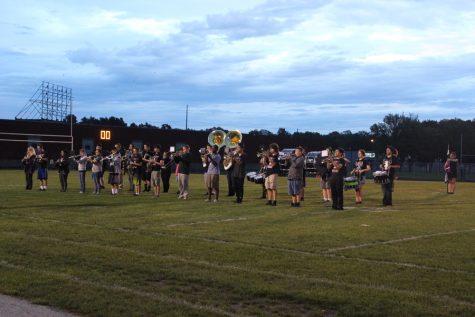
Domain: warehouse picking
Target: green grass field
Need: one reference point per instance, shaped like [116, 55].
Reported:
[136, 256]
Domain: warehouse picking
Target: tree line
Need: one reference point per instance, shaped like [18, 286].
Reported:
[416, 140]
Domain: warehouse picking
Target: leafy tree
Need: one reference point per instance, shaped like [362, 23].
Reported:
[282, 132]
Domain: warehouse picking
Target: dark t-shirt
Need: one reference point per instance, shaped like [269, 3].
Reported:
[361, 164]
[184, 163]
[136, 158]
[342, 170]
[157, 157]
[147, 155]
[63, 165]
[275, 159]
[239, 169]
[29, 164]
[388, 161]
[42, 159]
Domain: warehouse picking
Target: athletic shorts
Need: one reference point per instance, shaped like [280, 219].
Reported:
[114, 179]
[271, 181]
[325, 184]
[42, 173]
[146, 175]
[155, 178]
[212, 180]
[294, 187]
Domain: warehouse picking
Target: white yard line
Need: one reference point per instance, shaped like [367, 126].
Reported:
[256, 271]
[411, 238]
[325, 253]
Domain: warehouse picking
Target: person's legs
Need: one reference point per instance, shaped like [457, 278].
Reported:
[82, 181]
[61, 180]
[340, 192]
[130, 176]
[66, 174]
[334, 192]
[166, 180]
[186, 188]
[215, 188]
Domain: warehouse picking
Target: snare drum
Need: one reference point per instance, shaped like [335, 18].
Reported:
[259, 179]
[251, 176]
[350, 182]
[381, 177]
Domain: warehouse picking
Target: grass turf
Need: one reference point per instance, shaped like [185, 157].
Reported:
[138, 256]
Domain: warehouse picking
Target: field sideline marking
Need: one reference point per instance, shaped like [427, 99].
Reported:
[115, 287]
[443, 298]
[205, 222]
[324, 253]
[411, 238]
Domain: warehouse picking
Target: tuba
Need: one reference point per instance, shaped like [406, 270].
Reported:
[233, 138]
[217, 137]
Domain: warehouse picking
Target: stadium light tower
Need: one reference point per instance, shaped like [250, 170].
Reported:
[50, 102]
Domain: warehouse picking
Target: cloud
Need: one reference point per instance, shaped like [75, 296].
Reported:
[291, 62]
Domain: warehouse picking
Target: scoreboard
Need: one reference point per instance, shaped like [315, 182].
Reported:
[105, 135]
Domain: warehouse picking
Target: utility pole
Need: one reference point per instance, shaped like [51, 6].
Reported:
[186, 123]
[461, 147]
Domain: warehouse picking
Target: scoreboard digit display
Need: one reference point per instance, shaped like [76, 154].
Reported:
[105, 135]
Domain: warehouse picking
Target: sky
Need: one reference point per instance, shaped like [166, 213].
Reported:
[304, 65]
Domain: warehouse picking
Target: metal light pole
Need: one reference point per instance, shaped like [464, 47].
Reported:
[186, 122]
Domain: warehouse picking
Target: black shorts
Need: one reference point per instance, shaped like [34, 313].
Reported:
[147, 175]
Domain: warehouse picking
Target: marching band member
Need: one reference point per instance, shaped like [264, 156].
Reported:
[115, 169]
[325, 179]
[136, 165]
[118, 147]
[204, 160]
[273, 169]
[304, 177]
[82, 165]
[62, 163]
[338, 170]
[166, 171]
[390, 164]
[229, 173]
[103, 167]
[184, 167]
[450, 167]
[212, 174]
[361, 167]
[146, 168]
[156, 162]
[42, 159]
[29, 164]
[239, 172]
[295, 176]
[263, 161]
[128, 168]
[96, 161]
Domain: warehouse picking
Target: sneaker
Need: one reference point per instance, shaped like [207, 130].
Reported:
[81, 192]
[274, 203]
[208, 200]
[215, 201]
